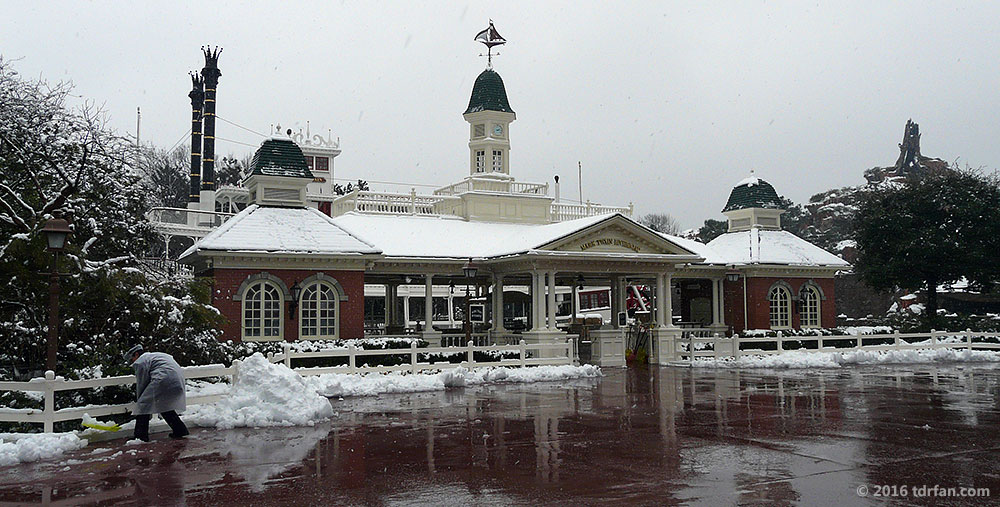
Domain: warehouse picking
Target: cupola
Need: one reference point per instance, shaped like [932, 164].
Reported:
[489, 115]
[278, 174]
[753, 203]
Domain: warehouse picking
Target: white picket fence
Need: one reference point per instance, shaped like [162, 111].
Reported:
[50, 385]
[535, 354]
[692, 346]
[527, 355]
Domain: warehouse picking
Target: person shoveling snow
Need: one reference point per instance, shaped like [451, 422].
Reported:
[159, 388]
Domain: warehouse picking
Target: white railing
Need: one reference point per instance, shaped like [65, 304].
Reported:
[458, 340]
[385, 202]
[494, 185]
[50, 384]
[691, 346]
[535, 354]
[562, 212]
[182, 221]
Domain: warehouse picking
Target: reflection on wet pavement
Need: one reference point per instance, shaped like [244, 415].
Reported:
[642, 436]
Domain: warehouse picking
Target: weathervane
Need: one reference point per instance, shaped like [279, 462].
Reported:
[490, 37]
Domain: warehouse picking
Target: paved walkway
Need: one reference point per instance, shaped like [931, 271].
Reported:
[656, 436]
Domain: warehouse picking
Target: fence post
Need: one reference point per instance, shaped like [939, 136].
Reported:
[413, 356]
[933, 339]
[570, 354]
[819, 341]
[895, 338]
[49, 409]
[857, 336]
[352, 360]
[236, 372]
[968, 338]
[286, 349]
[715, 346]
[524, 361]
[469, 354]
[780, 346]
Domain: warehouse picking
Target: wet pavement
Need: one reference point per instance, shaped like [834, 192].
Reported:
[656, 436]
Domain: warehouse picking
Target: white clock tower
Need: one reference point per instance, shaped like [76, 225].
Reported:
[489, 116]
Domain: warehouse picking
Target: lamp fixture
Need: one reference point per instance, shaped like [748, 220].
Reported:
[56, 230]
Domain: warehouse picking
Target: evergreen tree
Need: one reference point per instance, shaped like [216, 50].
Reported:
[167, 174]
[923, 233]
[712, 229]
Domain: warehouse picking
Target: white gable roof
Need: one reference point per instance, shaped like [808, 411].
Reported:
[758, 246]
[282, 231]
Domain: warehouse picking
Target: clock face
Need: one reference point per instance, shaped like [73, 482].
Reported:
[498, 130]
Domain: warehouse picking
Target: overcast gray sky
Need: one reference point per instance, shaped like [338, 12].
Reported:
[666, 104]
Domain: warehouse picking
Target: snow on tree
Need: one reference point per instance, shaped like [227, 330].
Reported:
[661, 222]
[61, 160]
[921, 233]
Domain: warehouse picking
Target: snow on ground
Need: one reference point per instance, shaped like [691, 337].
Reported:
[798, 359]
[264, 394]
[268, 394]
[27, 447]
[372, 384]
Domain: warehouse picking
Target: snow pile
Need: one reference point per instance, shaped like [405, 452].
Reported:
[372, 384]
[800, 359]
[264, 394]
[36, 446]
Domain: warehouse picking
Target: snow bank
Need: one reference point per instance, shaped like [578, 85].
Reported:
[798, 359]
[372, 384]
[25, 448]
[264, 394]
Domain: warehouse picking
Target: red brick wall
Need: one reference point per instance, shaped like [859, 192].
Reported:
[226, 284]
[758, 307]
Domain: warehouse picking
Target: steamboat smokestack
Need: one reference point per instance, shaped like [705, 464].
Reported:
[197, 96]
[210, 75]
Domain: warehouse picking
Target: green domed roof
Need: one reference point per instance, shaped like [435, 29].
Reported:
[280, 157]
[753, 192]
[488, 94]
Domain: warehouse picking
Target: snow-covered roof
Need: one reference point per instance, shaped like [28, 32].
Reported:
[444, 237]
[282, 230]
[759, 246]
[452, 237]
[697, 247]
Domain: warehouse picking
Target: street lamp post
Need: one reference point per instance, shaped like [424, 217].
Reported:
[469, 270]
[56, 230]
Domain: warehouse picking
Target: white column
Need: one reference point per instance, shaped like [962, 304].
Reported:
[715, 302]
[451, 309]
[668, 300]
[406, 309]
[615, 303]
[536, 301]
[660, 302]
[388, 305]
[552, 301]
[428, 302]
[498, 303]
[574, 305]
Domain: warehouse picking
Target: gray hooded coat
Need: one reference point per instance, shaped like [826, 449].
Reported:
[159, 384]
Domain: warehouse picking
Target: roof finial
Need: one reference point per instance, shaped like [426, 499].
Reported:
[490, 37]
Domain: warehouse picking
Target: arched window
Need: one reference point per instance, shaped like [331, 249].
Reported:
[809, 310]
[781, 310]
[318, 312]
[262, 311]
